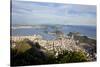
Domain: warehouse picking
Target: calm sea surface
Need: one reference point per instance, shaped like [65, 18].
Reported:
[89, 31]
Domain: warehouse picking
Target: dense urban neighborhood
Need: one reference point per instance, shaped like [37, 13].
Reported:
[73, 42]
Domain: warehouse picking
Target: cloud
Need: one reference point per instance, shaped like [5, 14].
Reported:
[52, 13]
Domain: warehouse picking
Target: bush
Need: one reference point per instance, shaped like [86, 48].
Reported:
[69, 56]
[28, 53]
[22, 46]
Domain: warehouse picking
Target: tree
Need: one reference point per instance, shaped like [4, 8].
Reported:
[69, 57]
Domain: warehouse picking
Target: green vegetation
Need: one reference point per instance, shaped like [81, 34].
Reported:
[82, 39]
[85, 39]
[22, 46]
[68, 57]
[72, 57]
[27, 52]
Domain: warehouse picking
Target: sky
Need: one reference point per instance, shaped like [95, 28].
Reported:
[32, 13]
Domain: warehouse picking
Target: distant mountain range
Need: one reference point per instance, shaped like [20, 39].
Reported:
[17, 26]
[54, 26]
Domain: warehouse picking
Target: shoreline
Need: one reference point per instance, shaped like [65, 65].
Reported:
[59, 44]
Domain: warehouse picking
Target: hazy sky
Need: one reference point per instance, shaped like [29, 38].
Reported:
[52, 13]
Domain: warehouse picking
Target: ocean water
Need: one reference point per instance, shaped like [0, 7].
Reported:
[89, 31]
